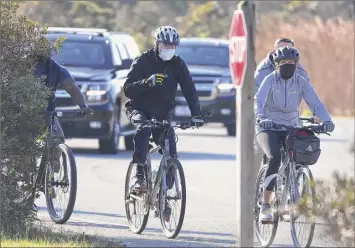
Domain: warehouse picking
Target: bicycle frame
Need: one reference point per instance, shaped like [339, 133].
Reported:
[48, 144]
[160, 181]
[290, 176]
[39, 182]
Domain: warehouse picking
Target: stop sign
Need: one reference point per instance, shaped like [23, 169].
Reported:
[238, 47]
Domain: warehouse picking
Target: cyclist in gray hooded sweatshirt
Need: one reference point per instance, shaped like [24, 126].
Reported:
[277, 102]
[267, 65]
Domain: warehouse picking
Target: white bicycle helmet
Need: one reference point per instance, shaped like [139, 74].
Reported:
[167, 35]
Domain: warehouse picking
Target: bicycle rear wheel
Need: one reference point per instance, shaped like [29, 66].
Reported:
[302, 208]
[264, 232]
[136, 212]
[66, 181]
[175, 193]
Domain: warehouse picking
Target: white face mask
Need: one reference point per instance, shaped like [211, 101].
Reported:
[166, 54]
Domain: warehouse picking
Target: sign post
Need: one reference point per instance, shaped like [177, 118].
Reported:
[242, 65]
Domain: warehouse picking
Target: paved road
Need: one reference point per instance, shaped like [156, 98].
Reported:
[208, 157]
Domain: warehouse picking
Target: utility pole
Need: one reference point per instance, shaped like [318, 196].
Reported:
[243, 67]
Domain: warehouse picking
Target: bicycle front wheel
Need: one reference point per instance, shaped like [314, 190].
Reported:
[302, 208]
[60, 183]
[172, 201]
[137, 212]
[264, 232]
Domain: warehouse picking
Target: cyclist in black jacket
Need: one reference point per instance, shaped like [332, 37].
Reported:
[151, 88]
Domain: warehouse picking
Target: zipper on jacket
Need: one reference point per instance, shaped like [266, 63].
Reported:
[285, 94]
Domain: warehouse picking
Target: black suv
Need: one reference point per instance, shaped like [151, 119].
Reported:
[99, 61]
[208, 62]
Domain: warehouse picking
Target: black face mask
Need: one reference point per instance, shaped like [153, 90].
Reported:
[287, 70]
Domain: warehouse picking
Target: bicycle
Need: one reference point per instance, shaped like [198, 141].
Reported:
[287, 182]
[158, 184]
[44, 179]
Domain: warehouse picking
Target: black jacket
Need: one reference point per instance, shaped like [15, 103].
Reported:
[159, 100]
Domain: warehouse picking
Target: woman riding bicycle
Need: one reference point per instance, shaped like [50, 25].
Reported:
[277, 101]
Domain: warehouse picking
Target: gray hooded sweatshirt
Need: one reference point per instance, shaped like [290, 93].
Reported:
[279, 100]
[266, 66]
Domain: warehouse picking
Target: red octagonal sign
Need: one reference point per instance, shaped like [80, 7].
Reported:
[238, 48]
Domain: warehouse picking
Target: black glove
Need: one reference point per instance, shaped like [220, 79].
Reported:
[266, 123]
[198, 121]
[155, 79]
[85, 110]
[328, 126]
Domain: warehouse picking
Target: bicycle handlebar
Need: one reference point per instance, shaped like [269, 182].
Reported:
[318, 128]
[311, 120]
[166, 124]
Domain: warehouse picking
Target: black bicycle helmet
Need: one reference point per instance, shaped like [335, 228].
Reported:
[167, 35]
[286, 53]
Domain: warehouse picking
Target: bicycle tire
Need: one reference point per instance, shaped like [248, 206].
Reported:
[132, 227]
[306, 171]
[72, 186]
[174, 233]
[270, 240]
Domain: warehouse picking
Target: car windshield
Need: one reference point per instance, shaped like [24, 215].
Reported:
[204, 55]
[93, 54]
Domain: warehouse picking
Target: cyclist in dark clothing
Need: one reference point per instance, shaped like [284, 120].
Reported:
[56, 75]
[151, 88]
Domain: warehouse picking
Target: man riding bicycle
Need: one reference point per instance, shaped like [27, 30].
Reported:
[267, 65]
[277, 102]
[56, 75]
[151, 87]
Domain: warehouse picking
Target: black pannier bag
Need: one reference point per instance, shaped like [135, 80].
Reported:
[303, 146]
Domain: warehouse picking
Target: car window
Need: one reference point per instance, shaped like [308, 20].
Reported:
[204, 55]
[116, 55]
[91, 54]
[122, 50]
[132, 47]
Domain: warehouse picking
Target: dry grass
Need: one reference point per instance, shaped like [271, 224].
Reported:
[41, 236]
[327, 53]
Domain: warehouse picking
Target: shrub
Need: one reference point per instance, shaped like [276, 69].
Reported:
[336, 205]
[23, 97]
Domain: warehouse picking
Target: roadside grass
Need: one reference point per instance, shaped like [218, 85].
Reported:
[40, 236]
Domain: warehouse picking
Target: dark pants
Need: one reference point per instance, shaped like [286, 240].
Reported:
[142, 135]
[270, 142]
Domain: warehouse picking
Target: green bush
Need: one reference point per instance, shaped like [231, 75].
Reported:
[23, 97]
[336, 205]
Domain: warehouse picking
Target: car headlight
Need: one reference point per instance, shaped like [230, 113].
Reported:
[225, 86]
[97, 93]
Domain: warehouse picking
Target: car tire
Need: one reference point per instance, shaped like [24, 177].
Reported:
[231, 129]
[128, 142]
[110, 146]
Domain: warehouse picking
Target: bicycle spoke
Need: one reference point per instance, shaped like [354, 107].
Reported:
[302, 220]
[264, 232]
